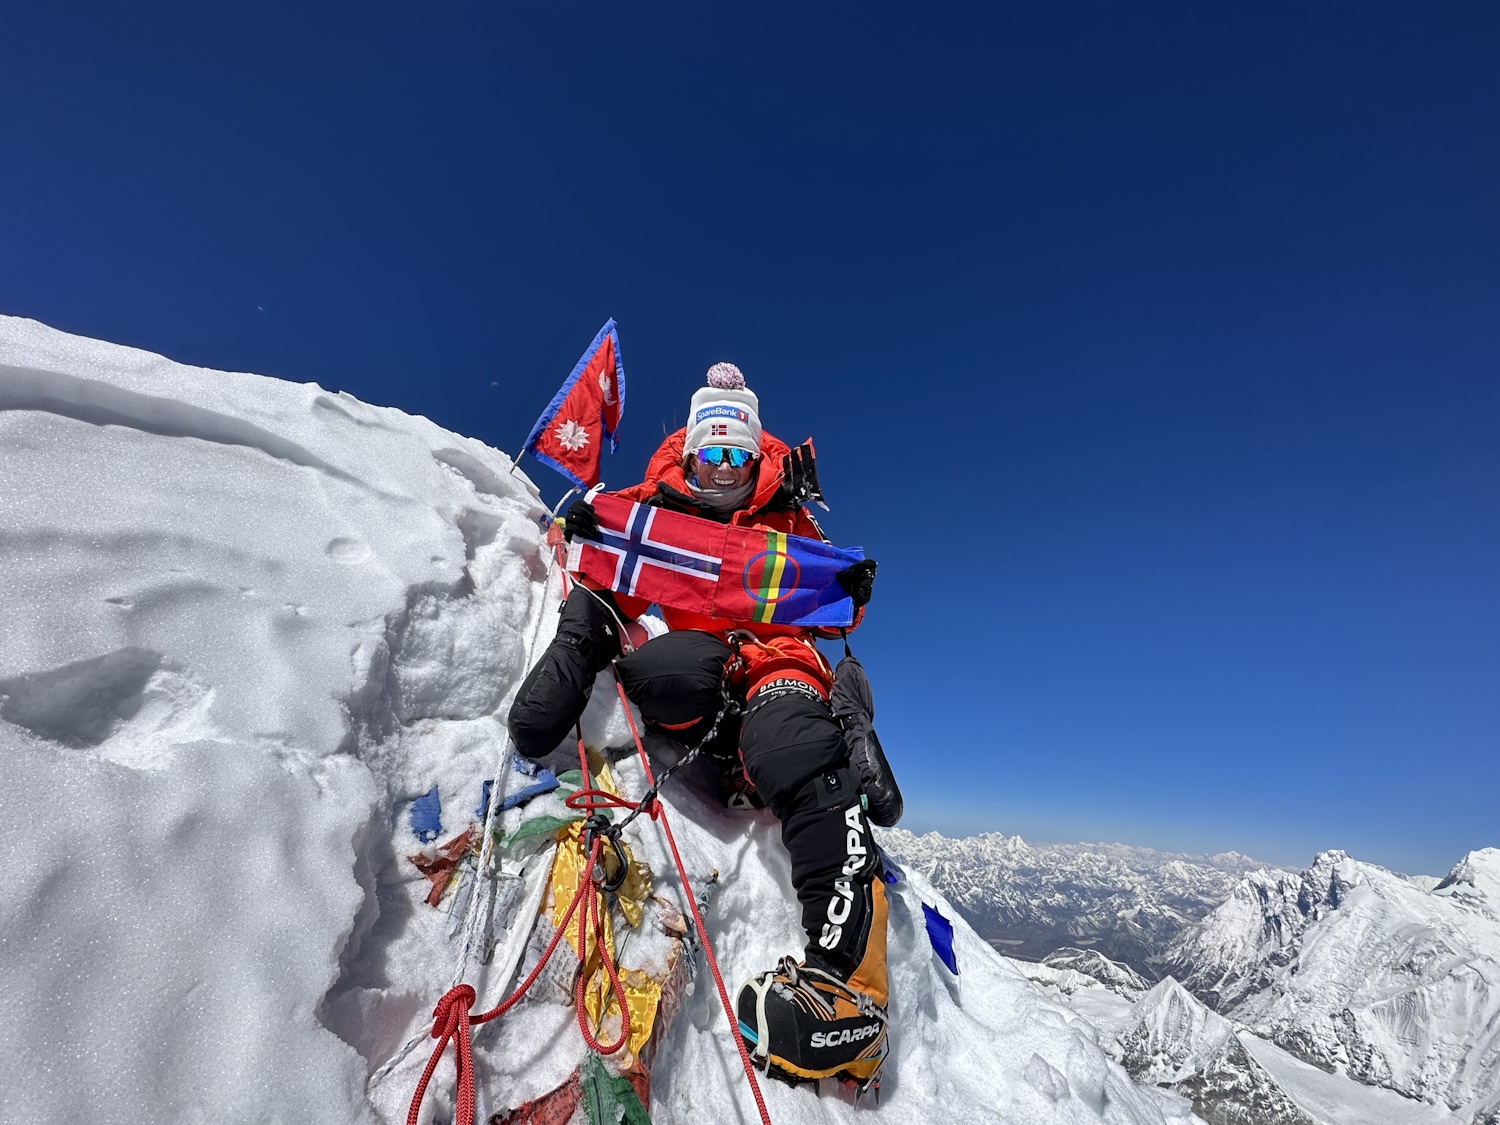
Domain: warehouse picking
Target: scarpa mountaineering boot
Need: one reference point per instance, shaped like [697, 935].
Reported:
[799, 1022]
[803, 1021]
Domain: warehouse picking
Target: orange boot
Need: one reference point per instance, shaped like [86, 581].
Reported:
[803, 1022]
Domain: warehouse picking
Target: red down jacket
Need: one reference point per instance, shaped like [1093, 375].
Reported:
[783, 650]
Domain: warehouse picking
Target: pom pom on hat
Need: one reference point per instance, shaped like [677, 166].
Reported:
[726, 377]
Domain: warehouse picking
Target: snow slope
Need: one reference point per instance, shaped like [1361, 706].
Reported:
[1335, 1099]
[248, 623]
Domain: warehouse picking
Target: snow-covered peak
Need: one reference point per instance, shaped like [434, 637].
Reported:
[1475, 882]
[1174, 1035]
[1177, 1041]
[1328, 881]
[1238, 947]
[248, 623]
[1091, 963]
[1354, 967]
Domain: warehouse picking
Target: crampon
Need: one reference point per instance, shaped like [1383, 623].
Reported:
[801, 1024]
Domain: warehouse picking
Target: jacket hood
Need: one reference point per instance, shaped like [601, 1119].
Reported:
[666, 469]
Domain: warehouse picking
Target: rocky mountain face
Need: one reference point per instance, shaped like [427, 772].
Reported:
[1029, 900]
[1176, 1041]
[1091, 963]
[1358, 969]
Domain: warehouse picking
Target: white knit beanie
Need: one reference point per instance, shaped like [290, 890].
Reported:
[726, 412]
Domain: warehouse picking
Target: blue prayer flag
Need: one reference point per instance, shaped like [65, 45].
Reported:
[940, 933]
[426, 816]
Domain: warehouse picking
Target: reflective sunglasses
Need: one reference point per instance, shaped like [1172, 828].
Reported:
[718, 454]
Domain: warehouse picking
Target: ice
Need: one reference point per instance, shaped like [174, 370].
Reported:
[248, 622]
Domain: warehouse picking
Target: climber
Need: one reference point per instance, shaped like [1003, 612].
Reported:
[823, 1016]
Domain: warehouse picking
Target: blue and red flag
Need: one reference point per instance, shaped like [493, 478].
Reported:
[742, 573]
[585, 413]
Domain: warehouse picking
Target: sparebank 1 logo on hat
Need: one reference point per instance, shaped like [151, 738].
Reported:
[721, 411]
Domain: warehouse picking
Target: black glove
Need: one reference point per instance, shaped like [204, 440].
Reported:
[799, 476]
[581, 521]
[858, 581]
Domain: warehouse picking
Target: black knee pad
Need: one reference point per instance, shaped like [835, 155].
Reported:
[557, 689]
[788, 738]
[674, 680]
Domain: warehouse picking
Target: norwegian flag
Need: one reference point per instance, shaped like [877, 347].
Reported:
[584, 413]
[739, 573]
[651, 553]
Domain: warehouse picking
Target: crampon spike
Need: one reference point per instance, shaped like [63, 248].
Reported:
[858, 1089]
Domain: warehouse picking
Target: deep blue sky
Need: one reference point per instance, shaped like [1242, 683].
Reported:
[1152, 349]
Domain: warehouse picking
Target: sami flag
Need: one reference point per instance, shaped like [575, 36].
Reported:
[741, 573]
[584, 413]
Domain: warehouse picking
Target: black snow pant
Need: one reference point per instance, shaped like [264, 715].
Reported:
[557, 689]
[792, 748]
[794, 752]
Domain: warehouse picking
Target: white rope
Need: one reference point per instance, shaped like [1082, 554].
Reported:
[502, 766]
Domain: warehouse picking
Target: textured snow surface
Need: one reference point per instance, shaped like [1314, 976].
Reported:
[248, 622]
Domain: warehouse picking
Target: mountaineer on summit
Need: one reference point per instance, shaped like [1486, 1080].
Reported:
[823, 1016]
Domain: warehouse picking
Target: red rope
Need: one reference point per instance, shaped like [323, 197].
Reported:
[451, 1019]
[687, 892]
[589, 914]
[591, 799]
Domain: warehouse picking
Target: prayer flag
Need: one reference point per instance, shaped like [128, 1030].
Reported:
[940, 933]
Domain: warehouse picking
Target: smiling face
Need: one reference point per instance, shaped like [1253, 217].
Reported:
[721, 478]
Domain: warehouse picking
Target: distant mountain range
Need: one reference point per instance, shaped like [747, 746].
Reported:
[1392, 981]
[1028, 900]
